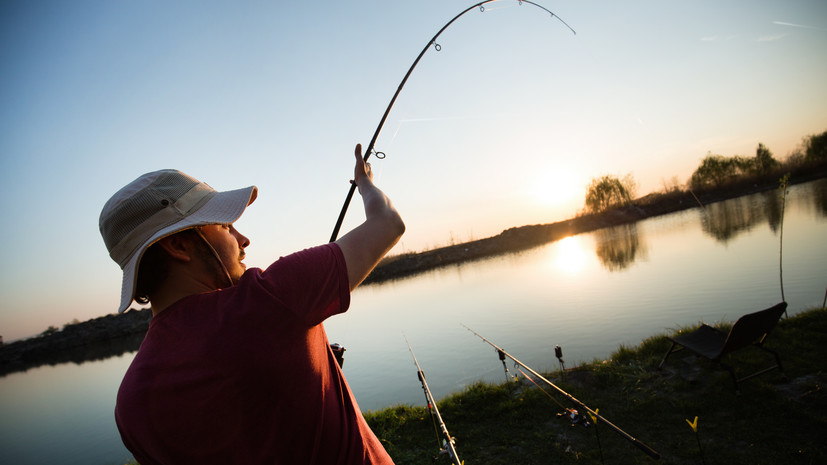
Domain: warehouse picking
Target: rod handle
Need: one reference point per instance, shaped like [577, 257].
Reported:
[646, 449]
[350, 192]
[342, 213]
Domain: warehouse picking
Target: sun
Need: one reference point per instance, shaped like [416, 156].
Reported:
[557, 189]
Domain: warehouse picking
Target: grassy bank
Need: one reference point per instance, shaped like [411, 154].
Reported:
[772, 421]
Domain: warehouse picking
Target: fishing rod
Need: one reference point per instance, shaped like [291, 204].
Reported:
[437, 47]
[447, 440]
[640, 445]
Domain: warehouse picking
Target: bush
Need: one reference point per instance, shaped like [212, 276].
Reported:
[715, 170]
[764, 161]
[817, 148]
[718, 170]
[49, 331]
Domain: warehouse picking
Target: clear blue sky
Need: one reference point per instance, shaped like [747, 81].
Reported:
[505, 126]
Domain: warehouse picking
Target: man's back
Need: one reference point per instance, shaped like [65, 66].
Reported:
[245, 374]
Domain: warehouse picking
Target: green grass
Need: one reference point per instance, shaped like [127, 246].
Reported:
[771, 421]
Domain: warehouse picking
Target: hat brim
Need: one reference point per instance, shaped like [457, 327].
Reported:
[223, 208]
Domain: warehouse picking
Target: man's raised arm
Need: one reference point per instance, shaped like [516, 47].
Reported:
[366, 244]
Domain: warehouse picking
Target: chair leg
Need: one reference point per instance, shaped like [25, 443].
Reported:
[769, 369]
[777, 361]
[668, 353]
[732, 375]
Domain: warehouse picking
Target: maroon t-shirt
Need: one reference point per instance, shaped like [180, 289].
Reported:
[244, 375]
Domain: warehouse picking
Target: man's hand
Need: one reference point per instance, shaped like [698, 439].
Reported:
[362, 170]
[365, 245]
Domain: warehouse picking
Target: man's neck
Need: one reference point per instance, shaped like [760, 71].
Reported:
[180, 284]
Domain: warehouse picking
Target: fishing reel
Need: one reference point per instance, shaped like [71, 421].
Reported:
[445, 446]
[338, 352]
[574, 417]
[446, 450]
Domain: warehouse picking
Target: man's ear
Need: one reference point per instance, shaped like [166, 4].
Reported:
[178, 247]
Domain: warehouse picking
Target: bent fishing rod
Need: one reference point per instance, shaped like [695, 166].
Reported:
[437, 47]
[447, 440]
[640, 445]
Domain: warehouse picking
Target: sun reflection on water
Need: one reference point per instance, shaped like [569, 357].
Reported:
[569, 255]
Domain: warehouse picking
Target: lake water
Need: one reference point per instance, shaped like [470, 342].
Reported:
[588, 294]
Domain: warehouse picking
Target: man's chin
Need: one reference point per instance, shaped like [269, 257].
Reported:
[237, 275]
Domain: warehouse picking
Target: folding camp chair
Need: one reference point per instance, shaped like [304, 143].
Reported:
[750, 330]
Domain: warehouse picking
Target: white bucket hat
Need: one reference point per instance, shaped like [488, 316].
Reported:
[157, 205]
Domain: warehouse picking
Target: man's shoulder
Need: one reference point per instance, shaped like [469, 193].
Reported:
[322, 256]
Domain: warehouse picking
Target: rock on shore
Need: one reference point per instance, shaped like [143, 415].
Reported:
[95, 339]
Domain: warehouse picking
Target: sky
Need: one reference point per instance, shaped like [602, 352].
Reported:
[504, 126]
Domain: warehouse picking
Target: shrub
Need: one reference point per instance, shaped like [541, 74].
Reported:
[714, 171]
[817, 148]
[764, 161]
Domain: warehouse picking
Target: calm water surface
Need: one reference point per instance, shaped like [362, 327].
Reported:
[588, 293]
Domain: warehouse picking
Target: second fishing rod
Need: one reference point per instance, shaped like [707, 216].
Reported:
[637, 443]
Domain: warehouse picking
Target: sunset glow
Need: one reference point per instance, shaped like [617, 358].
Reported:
[504, 126]
[558, 188]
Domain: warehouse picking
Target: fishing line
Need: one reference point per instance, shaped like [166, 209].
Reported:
[540, 387]
[637, 443]
[437, 47]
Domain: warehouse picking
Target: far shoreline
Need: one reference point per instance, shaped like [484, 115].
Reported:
[522, 238]
[115, 334]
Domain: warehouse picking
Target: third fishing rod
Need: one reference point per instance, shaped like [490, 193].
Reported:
[640, 445]
[447, 446]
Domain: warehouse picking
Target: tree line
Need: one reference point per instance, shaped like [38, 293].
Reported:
[715, 171]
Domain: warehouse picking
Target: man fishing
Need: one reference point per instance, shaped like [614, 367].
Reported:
[236, 367]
